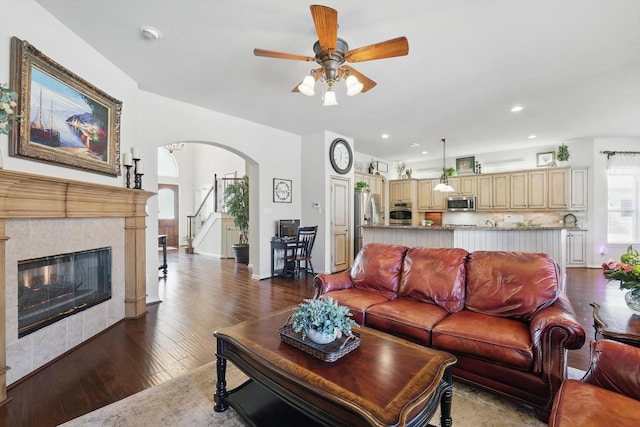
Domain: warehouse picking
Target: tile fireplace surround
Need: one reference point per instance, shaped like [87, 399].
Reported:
[42, 215]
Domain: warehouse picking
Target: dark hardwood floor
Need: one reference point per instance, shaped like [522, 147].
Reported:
[200, 295]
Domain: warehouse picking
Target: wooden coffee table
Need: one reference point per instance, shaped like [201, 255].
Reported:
[386, 381]
[616, 322]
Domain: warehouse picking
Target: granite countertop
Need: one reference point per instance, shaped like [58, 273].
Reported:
[479, 227]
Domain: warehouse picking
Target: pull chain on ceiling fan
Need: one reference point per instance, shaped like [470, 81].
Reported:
[331, 52]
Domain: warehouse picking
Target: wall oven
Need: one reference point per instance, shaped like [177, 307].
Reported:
[461, 204]
[400, 214]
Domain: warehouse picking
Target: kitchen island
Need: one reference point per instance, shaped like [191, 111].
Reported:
[549, 240]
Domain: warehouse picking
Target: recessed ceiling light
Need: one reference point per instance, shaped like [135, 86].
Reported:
[531, 136]
[150, 33]
[425, 153]
[414, 145]
[516, 108]
[384, 136]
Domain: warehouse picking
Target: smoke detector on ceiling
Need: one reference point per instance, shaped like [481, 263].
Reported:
[150, 33]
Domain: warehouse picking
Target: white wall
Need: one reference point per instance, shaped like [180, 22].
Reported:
[150, 121]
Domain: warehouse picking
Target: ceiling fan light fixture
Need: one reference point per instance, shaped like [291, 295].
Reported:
[329, 98]
[306, 87]
[354, 86]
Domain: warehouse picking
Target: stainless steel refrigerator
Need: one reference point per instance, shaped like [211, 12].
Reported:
[366, 213]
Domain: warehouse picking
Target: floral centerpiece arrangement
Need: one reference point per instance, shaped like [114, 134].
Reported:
[322, 320]
[627, 271]
[8, 101]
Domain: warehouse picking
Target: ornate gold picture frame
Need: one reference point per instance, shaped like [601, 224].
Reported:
[64, 119]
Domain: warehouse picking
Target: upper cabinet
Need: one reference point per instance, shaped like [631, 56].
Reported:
[464, 185]
[579, 189]
[528, 190]
[403, 190]
[559, 188]
[429, 200]
[493, 192]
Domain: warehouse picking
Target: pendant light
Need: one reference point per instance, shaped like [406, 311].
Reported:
[444, 186]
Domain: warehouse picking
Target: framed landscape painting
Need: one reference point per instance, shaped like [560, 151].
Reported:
[64, 119]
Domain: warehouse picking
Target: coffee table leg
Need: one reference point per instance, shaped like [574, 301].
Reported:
[221, 383]
[445, 401]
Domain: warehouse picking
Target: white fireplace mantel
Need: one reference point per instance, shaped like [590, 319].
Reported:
[28, 196]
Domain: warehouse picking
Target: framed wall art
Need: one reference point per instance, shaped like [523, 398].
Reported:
[64, 119]
[465, 165]
[546, 159]
[282, 190]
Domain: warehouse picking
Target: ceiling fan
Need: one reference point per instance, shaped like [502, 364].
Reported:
[331, 52]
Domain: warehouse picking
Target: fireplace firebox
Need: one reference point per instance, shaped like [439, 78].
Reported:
[54, 287]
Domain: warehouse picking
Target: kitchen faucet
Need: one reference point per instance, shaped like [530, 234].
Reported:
[491, 222]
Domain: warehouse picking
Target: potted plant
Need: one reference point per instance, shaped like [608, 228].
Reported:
[400, 167]
[563, 154]
[450, 171]
[322, 320]
[361, 187]
[236, 197]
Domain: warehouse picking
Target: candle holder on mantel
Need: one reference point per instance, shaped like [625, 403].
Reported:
[138, 181]
[128, 175]
[137, 177]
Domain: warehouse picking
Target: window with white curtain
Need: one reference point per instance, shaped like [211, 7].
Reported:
[623, 185]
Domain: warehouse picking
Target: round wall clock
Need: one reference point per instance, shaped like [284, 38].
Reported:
[340, 156]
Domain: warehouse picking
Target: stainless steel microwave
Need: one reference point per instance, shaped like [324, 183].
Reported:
[461, 203]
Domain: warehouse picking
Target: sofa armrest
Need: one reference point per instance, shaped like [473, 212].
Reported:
[324, 283]
[612, 367]
[555, 329]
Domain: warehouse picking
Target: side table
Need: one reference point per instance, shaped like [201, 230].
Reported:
[616, 323]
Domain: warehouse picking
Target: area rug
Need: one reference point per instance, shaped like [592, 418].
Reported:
[187, 401]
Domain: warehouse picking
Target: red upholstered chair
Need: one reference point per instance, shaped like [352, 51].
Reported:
[608, 395]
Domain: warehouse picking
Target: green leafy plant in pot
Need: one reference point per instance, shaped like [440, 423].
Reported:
[322, 320]
[236, 198]
[361, 187]
[563, 153]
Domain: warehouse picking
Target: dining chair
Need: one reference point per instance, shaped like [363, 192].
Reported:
[301, 252]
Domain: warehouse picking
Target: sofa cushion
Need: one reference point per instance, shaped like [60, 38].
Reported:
[579, 404]
[510, 284]
[406, 317]
[496, 339]
[357, 300]
[435, 275]
[378, 267]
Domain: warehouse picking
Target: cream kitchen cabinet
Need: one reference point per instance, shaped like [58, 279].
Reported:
[429, 200]
[559, 189]
[576, 248]
[528, 190]
[579, 186]
[464, 185]
[403, 190]
[493, 192]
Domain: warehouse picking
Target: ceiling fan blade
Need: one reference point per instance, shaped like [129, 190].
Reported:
[280, 55]
[366, 81]
[317, 73]
[388, 49]
[326, 20]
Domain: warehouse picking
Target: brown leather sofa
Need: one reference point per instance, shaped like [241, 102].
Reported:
[501, 313]
[608, 395]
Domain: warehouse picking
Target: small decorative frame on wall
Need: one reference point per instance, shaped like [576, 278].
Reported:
[282, 190]
[546, 159]
[465, 165]
[382, 166]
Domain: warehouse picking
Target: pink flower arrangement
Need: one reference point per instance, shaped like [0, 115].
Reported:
[627, 271]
